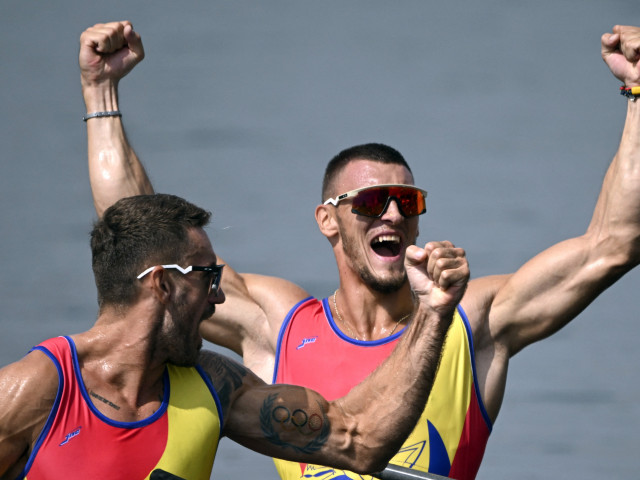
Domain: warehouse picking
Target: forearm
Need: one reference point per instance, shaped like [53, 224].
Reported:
[361, 431]
[364, 429]
[378, 414]
[616, 219]
[114, 168]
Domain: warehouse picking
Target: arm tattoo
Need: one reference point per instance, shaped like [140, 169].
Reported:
[304, 423]
[225, 374]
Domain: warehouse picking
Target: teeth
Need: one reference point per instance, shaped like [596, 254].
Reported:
[387, 238]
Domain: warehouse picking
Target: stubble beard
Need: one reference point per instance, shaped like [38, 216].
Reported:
[180, 347]
[381, 285]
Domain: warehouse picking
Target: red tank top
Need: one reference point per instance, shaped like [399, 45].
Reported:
[452, 433]
[78, 441]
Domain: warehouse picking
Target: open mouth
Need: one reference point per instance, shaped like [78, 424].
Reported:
[386, 245]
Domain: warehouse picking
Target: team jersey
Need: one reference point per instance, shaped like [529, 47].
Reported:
[78, 441]
[452, 433]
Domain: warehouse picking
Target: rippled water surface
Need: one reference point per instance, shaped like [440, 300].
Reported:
[504, 110]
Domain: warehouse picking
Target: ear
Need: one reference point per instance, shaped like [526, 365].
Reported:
[161, 285]
[325, 217]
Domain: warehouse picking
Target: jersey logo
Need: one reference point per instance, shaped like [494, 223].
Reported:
[306, 341]
[69, 436]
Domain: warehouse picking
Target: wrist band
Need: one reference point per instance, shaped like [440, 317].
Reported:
[632, 93]
[111, 113]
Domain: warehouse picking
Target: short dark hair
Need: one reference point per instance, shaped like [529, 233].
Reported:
[377, 152]
[136, 233]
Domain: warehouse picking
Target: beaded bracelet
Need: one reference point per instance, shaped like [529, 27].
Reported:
[111, 113]
[632, 93]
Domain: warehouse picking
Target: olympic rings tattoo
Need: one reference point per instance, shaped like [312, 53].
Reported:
[316, 425]
[297, 420]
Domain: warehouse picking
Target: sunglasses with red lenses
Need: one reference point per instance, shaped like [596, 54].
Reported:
[374, 200]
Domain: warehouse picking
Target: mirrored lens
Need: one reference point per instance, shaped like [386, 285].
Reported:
[411, 201]
[373, 202]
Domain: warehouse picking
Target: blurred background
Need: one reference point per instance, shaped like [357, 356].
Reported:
[505, 111]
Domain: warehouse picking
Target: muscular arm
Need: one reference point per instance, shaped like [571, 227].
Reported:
[510, 312]
[552, 288]
[248, 322]
[27, 393]
[107, 53]
[364, 429]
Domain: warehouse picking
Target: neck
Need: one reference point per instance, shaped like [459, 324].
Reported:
[119, 366]
[364, 314]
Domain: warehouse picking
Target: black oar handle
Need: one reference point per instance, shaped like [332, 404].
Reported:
[158, 474]
[394, 472]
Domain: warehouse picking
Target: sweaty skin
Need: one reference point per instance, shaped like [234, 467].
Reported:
[506, 312]
[123, 362]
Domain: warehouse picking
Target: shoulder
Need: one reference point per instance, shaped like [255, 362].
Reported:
[249, 320]
[275, 295]
[36, 372]
[228, 376]
[28, 390]
[478, 302]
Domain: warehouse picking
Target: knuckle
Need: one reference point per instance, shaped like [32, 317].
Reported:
[442, 264]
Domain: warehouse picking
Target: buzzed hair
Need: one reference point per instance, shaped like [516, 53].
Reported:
[138, 232]
[377, 152]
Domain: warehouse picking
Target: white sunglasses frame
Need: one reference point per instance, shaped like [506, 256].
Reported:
[353, 193]
[190, 268]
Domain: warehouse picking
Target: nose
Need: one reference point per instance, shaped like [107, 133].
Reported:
[218, 297]
[392, 212]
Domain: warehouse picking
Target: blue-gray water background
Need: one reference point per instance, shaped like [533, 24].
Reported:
[504, 109]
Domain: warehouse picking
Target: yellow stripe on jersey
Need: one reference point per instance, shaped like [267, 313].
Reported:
[193, 422]
[446, 411]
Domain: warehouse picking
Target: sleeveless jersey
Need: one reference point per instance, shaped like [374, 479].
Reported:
[452, 433]
[78, 441]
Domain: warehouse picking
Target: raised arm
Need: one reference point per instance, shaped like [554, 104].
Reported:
[107, 53]
[364, 429]
[556, 285]
[249, 321]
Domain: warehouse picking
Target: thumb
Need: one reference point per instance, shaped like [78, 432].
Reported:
[134, 41]
[414, 256]
[415, 264]
[610, 43]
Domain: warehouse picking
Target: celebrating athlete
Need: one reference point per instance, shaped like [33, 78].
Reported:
[369, 213]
